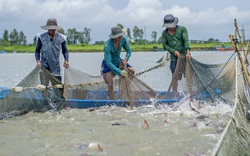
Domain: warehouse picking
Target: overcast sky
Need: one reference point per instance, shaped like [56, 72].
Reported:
[203, 19]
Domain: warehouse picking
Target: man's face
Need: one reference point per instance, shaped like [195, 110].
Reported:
[171, 28]
[118, 39]
[52, 32]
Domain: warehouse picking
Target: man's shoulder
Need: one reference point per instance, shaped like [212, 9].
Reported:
[62, 35]
[164, 33]
[43, 34]
[108, 42]
[181, 27]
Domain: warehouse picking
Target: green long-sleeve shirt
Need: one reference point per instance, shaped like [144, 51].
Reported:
[178, 41]
[112, 55]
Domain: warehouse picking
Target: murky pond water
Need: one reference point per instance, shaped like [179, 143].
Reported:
[112, 131]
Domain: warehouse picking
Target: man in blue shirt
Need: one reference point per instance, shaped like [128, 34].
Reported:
[48, 48]
[113, 64]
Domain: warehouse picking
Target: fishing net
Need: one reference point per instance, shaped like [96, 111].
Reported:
[191, 79]
[236, 136]
[94, 90]
[38, 91]
[197, 80]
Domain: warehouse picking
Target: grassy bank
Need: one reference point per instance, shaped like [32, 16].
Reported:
[99, 48]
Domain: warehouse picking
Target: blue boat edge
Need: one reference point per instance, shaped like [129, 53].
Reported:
[88, 103]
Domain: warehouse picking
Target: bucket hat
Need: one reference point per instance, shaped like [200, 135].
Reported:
[170, 21]
[51, 24]
[116, 32]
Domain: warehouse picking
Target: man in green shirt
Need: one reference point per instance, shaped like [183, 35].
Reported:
[175, 40]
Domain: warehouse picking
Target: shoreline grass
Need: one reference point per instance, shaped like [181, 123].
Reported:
[99, 48]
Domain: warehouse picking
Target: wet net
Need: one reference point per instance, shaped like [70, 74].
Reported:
[204, 81]
[227, 81]
[38, 91]
[93, 89]
[236, 136]
[211, 82]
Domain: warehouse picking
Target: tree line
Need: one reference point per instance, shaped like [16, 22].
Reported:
[13, 38]
[138, 35]
[74, 37]
[19, 38]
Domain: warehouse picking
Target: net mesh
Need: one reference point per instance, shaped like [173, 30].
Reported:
[236, 137]
[202, 81]
[193, 78]
[38, 91]
[80, 85]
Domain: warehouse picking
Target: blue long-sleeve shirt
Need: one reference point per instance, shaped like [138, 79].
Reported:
[48, 51]
[39, 46]
[112, 55]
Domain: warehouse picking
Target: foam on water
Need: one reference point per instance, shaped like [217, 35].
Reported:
[118, 131]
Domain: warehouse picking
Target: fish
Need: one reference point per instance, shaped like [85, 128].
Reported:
[118, 122]
[146, 125]
[94, 147]
[88, 148]
[167, 120]
[154, 101]
[12, 114]
[193, 107]
[52, 105]
[202, 117]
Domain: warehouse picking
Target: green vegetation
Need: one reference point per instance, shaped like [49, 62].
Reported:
[79, 41]
[207, 46]
[19, 48]
[99, 48]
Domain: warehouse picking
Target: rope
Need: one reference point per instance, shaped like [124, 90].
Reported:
[149, 69]
[38, 87]
[159, 63]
